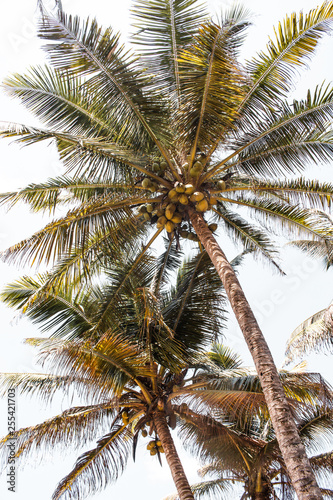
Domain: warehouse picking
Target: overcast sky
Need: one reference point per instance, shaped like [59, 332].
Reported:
[280, 303]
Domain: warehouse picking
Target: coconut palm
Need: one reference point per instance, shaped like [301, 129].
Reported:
[180, 136]
[126, 362]
[132, 366]
[251, 465]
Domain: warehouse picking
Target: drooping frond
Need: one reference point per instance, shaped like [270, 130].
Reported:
[209, 490]
[89, 473]
[67, 430]
[314, 334]
[278, 215]
[109, 215]
[251, 238]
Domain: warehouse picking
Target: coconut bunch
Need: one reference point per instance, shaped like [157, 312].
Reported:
[169, 211]
[155, 447]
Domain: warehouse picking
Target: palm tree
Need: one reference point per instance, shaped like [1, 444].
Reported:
[128, 363]
[183, 133]
[244, 452]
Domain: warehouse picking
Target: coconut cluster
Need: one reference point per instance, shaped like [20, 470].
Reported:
[155, 447]
[170, 212]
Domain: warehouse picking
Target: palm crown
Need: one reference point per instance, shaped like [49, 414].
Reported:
[186, 126]
[140, 368]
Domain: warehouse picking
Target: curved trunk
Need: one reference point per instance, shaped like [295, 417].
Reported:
[171, 455]
[292, 449]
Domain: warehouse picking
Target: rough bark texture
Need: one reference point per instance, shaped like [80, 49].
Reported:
[171, 455]
[292, 449]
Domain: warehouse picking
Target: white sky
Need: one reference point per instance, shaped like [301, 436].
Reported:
[281, 303]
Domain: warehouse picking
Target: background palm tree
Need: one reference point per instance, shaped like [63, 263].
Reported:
[184, 131]
[240, 446]
[126, 362]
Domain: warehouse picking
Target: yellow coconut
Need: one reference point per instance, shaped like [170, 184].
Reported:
[153, 452]
[183, 199]
[195, 173]
[143, 209]
[151, 445]
[212, 200]
[161, 449]
[213, 227]
[169, 226]
[146, 183]
[189, 189]
[149, 208]
[197, 196]
[170, 210]
[198, 165]
[177, 218]
[146, 216]
[163, 165]
[144, 433]
[202, 206]
[172, 193]
[180, 188]
[221, 185]
[183, 233]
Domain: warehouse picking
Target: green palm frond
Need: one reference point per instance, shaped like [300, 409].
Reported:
[167, 264]
[224, 357]
[162, 29]
[63, 191]
[285, 141]
[209, 490]
[97, 55]
[301, 191]
[287, 219]
[314, 334]
[111, 215]
[322, 464]
[211, 81]
[69, 430]
[108, 366]
[251, 238]
[296, 40]
[207, 438]
[195, 310]
[318, 249]
[316, 429]
[61, 101]
[41, 385]
[89, 473]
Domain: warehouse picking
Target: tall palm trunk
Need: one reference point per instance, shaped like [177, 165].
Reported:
[292, 449]
[171, 455]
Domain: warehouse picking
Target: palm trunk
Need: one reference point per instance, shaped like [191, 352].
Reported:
[171, 455]
[292, 449]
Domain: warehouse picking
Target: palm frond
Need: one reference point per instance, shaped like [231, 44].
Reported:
[84, 49]
[89, 473]
[314, 334]
[69, 430]
[252, 238]
[211, 81]
[296, 39]
[162, 29]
